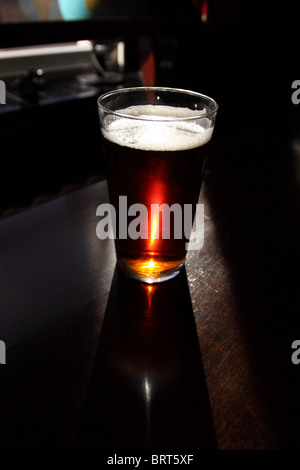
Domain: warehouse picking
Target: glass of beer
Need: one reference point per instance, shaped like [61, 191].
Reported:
[154, 144]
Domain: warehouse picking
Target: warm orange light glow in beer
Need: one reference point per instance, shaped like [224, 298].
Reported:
[154, 229]
[150, 264]
[156, 196]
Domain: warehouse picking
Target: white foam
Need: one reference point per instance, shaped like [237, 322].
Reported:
[156, 133]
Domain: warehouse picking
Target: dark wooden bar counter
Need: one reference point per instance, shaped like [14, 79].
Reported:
[96, 360]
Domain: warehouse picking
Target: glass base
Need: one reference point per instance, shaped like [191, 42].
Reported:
[150, 278]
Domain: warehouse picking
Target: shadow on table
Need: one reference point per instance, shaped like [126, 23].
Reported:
[148, 389]
[251, 188]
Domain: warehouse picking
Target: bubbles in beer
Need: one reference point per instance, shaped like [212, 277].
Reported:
[158, 128]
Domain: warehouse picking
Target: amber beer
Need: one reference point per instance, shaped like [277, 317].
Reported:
[155, 155]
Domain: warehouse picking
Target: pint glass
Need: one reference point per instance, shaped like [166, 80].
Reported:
[154, 145]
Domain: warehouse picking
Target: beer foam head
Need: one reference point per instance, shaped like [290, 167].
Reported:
[159, 128]
[161, 113]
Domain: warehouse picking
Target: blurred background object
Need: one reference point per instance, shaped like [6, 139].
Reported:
[56, 58]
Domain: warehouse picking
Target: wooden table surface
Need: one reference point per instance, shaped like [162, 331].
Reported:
[96, 360]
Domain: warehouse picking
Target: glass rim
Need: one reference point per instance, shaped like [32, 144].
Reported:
[161, 89]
